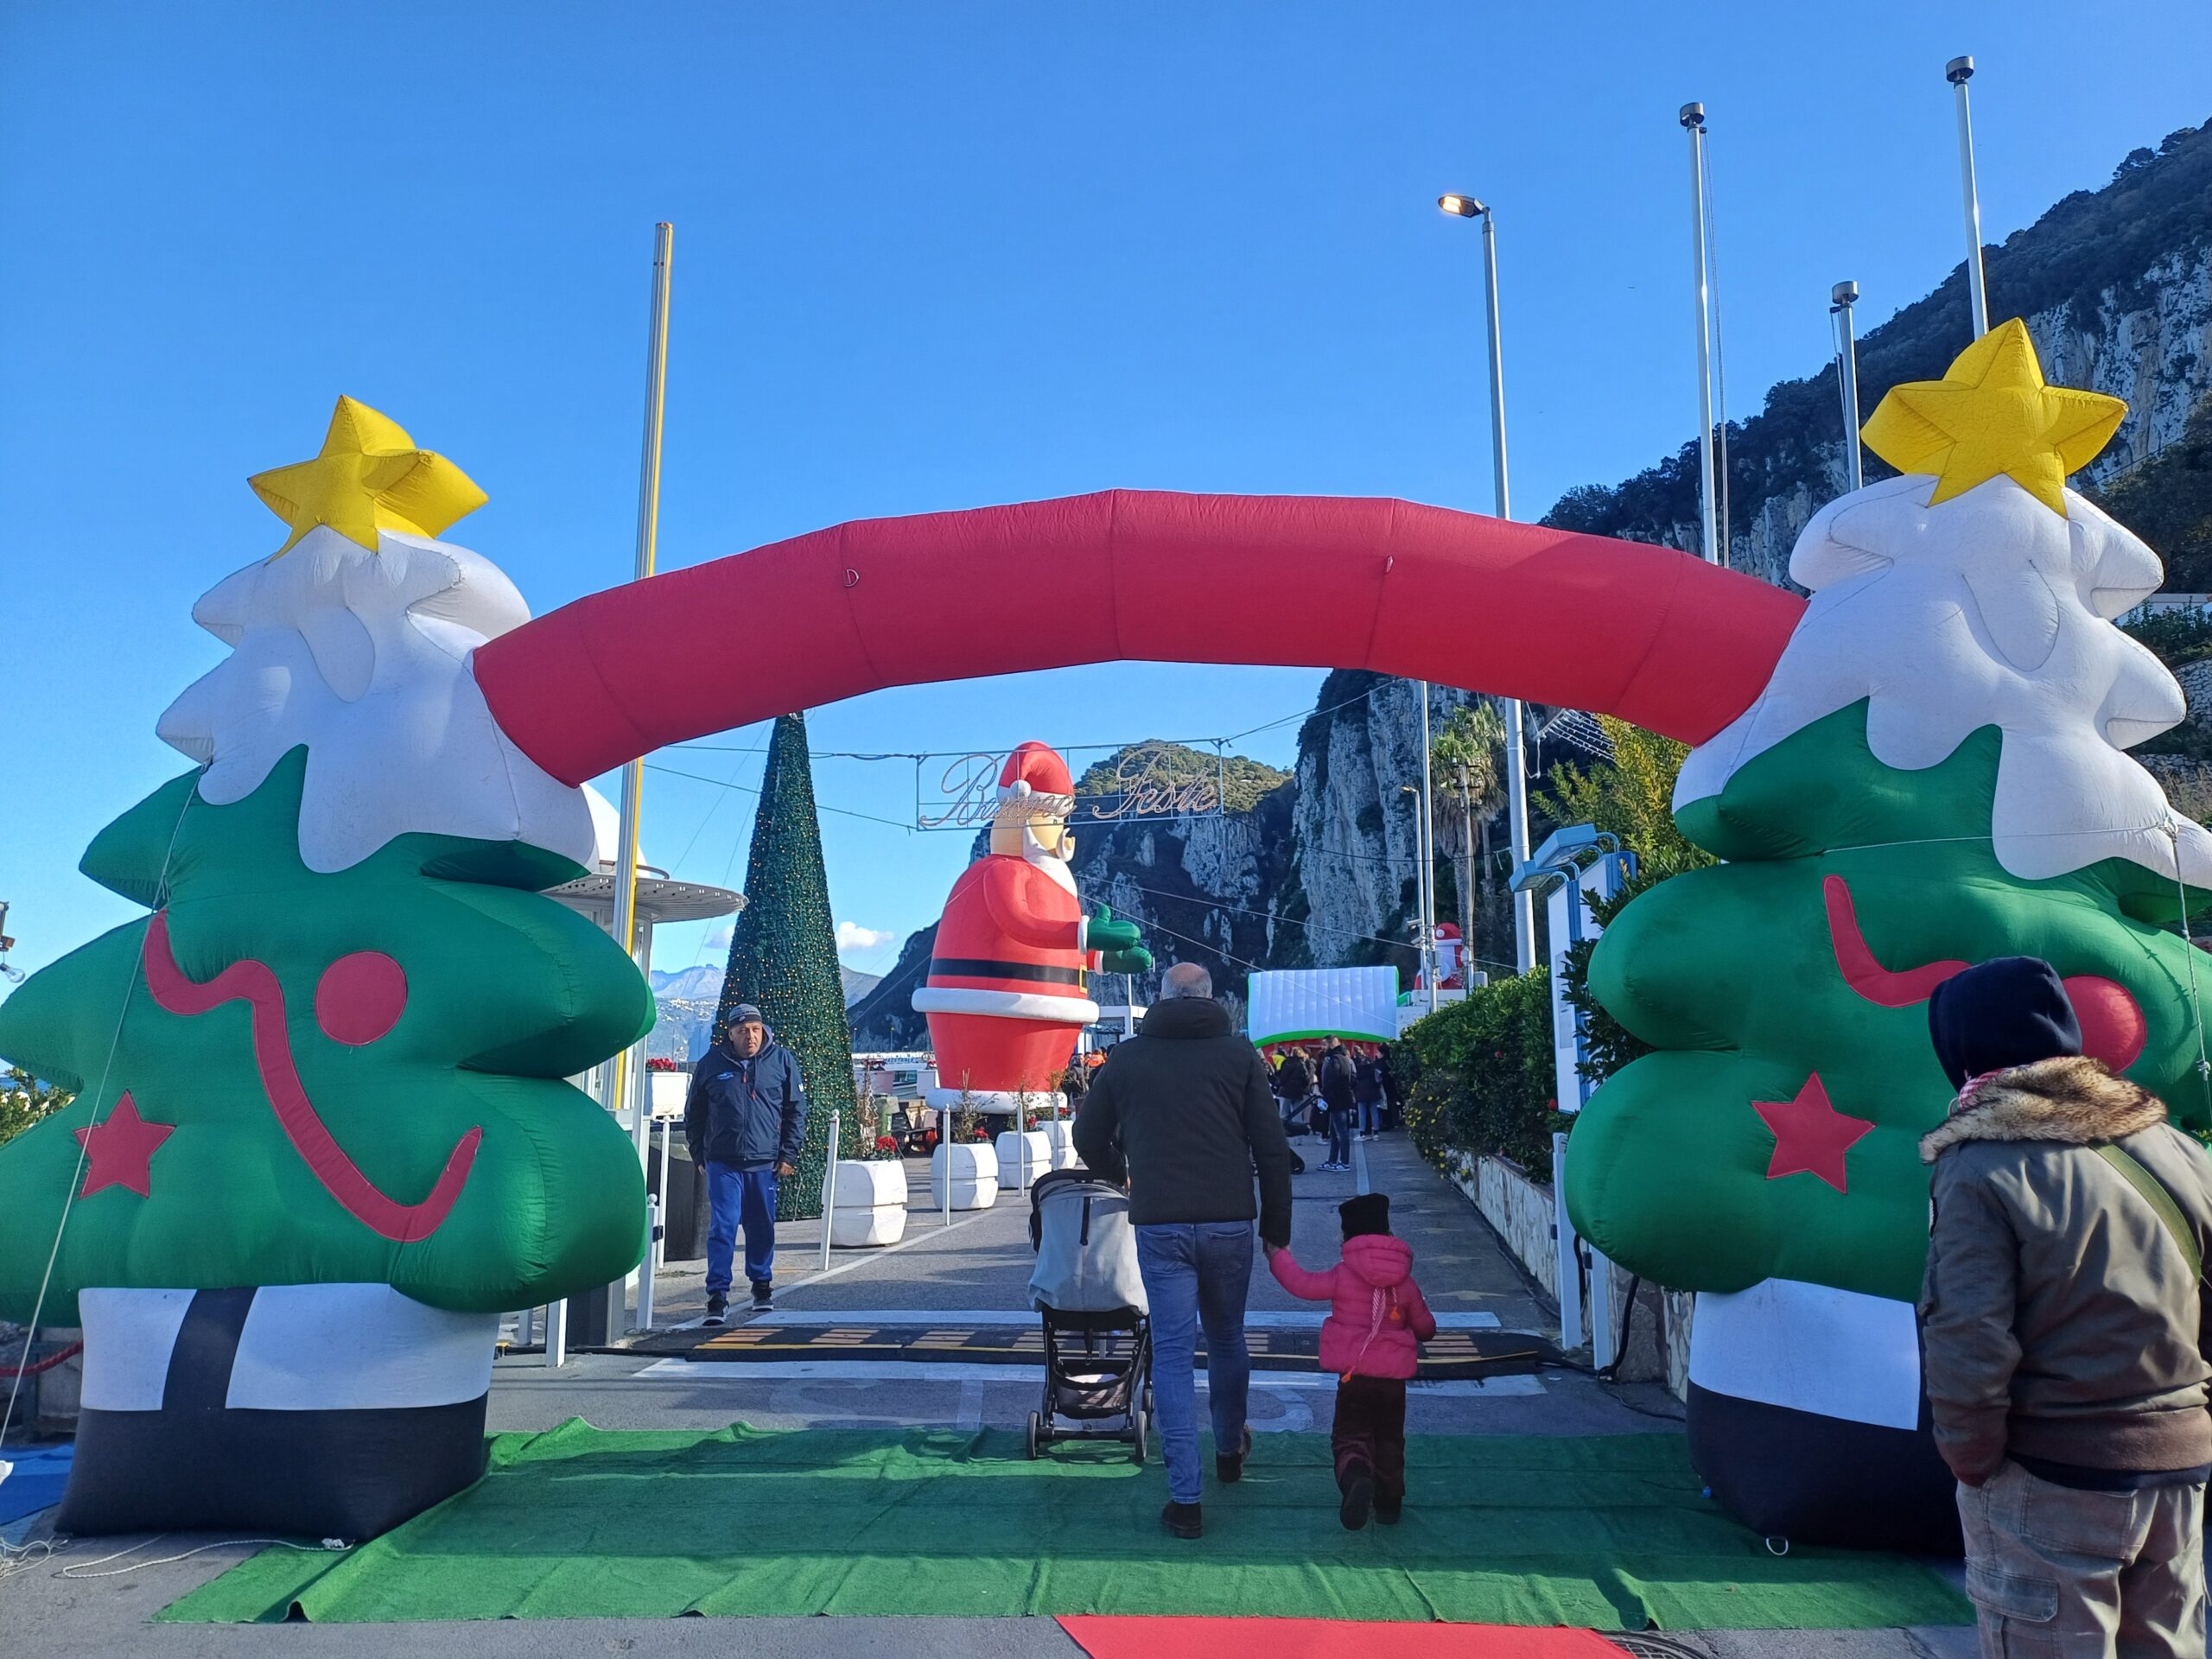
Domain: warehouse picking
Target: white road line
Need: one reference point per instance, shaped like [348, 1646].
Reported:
[1000, 1318]
[1359, 1180]
[970, 1412]
[905, 1371]
[860, 1259]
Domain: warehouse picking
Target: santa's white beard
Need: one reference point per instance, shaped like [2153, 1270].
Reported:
[1051, 863]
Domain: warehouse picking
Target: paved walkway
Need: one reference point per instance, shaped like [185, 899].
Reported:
[973, 1272]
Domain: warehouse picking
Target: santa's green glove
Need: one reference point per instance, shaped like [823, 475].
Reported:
[1107, 935]
[1136, 960]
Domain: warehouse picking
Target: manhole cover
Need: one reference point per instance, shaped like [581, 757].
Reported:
[1646, 1644]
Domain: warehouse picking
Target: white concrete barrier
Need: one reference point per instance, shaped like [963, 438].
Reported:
[871, 1203]
[975, 1175]
[1059, 1136]
[1022, 1159]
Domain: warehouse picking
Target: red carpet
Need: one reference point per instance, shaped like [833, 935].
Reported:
[1103, 1638]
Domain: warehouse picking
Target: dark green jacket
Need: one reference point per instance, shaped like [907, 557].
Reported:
[2060, 1320]
[1182, 1112]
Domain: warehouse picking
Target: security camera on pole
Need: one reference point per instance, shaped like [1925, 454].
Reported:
[1693, 119]
[1958, 72]
[1842, 297]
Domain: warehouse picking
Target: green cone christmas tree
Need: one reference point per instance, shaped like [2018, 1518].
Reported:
[783, 957]
[323, 1136]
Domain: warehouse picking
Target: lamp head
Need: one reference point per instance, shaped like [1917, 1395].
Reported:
[1959, 71]
[1845, 292]
[1691, 115]
[1463, 207]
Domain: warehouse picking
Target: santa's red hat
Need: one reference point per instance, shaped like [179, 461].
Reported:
[1034, 769]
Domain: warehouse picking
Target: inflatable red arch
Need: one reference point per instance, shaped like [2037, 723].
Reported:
[1656, 637]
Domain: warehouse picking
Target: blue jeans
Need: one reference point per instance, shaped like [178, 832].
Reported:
[1370, 1116]
[1340, 1136]
[1196, 1273]
[737, 1198]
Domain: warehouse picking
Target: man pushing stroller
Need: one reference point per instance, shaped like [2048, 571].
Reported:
[1183, 1112]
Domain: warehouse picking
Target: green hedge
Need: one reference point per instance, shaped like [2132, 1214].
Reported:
[1478, 1075]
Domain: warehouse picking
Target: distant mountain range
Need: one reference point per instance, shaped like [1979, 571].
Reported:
[688, 998]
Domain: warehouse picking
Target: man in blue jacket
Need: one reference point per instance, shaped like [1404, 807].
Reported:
[744, 1119]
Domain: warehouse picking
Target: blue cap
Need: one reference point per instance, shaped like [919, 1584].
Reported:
[745, 1012]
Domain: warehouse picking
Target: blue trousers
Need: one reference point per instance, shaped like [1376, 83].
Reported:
[1196, 1273]
[1340, 1136]
[741, 1198]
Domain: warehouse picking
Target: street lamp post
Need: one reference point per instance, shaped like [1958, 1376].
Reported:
[1516, 761]
[1842, 297]
[1958, 72]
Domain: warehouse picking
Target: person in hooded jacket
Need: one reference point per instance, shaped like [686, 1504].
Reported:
[2063, 1329]
[1378, 1320]
[1180, 1112]
[744, 1120]
[1337, 1080]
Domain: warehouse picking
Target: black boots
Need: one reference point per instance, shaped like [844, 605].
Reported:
[1230, 1465]
[1182, 1519]
[1359, 1497]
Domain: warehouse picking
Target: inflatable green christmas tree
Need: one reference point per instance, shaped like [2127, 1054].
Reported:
[322, 1137]
[1933, 777]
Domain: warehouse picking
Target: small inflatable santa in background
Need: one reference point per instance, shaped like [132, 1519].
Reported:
[1008, 992]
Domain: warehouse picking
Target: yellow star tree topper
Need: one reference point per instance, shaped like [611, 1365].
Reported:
[1993, 413]
[369, 477]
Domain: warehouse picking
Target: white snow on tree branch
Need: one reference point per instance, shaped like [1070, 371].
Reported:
[1988, 610]
[364, 657]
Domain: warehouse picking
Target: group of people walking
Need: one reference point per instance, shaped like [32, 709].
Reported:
[1334, 1093]
[2066, 1349]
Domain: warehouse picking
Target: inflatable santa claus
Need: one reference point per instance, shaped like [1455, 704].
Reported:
[1008, 991]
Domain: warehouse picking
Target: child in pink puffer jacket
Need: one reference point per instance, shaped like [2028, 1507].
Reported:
[1371, 1339]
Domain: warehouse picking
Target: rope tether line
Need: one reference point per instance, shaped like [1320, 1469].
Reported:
[84, 1141]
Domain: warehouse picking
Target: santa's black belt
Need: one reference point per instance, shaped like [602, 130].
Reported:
[978, 968]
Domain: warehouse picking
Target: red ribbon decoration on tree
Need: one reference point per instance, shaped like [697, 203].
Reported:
[255, 983]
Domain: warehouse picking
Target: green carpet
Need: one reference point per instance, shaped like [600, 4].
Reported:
[1607, 1532]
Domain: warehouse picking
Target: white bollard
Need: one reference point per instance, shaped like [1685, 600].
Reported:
[829, 1191]
[645, 1267]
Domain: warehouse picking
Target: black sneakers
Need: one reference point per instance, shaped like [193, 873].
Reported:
[764, 1297]
[718, 1308]
[1230, 1465]
[1182, 1521]
[1388, 1509]
[1359, 1497]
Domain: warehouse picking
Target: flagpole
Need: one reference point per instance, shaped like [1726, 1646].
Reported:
[624, 919]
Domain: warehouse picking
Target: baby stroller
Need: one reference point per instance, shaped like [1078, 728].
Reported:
[1098, 1338]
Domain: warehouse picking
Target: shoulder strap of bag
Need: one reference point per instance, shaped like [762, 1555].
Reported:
[2155, 1194]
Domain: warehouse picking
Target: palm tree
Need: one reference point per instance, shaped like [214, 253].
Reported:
[1466, 757]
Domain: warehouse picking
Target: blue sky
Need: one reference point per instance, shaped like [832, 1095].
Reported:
[927, 256]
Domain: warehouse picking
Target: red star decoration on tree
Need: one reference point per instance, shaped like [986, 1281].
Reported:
[119, 1149]
[1810, 1136]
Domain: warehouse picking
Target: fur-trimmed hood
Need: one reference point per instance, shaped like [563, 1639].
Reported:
[2071, 1099]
